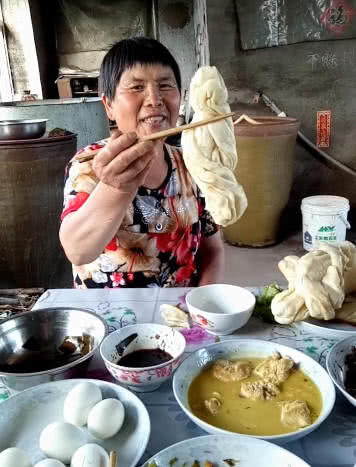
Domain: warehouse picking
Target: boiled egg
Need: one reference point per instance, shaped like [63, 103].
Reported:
[79, 401]
[50, 463]
[60, 440]
[14, 457]
[90, 455]
[106, 418]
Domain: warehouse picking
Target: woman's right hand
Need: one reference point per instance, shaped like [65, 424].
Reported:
[124, 162]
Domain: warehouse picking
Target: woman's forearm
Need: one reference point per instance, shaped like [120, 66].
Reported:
[212, 271]
[211, 260]
[85, 233]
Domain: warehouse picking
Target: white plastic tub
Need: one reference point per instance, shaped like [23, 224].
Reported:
[324, 220]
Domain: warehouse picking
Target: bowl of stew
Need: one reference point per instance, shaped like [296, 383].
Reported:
[143, 356]
[253, 387]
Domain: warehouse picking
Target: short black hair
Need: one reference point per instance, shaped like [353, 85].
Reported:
[128, 52]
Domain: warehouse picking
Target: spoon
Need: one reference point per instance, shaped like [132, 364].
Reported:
[121, 346]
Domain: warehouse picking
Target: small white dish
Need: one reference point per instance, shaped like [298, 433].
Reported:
[25, 415]
[221, 309]
[245, 451]
[335, 364]
[149, 336]
[252, 348]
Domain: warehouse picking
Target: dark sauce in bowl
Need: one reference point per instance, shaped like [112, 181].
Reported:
[144, 358]
[350, 373]
[36, 355]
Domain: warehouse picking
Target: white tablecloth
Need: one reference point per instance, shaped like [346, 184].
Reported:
[333, 444]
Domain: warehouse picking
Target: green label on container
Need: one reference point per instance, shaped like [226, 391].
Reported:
[327, 228]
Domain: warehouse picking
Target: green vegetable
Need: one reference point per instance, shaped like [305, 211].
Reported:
[263, 303]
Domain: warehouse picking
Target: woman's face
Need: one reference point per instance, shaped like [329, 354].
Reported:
[147, 100]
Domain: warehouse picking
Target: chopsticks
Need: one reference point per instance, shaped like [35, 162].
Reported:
[164, 134]
[179, 129]
[113, 459]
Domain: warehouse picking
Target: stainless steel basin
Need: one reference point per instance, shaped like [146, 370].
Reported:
[49, 326]
[22, 129]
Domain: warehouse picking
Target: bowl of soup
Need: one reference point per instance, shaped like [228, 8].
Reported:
[143, 356]
[220, 309]
[254, 388]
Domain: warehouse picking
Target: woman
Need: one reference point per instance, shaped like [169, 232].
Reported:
[133, 217]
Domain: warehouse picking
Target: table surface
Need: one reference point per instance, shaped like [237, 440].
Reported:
[333, 444]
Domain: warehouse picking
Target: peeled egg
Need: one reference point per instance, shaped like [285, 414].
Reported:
[14, 457]
[106, 418]
[50, 463]
[60, 440]
[79, 401]
[90, 455]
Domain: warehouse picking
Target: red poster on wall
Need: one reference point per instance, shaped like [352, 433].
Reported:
[323, 125]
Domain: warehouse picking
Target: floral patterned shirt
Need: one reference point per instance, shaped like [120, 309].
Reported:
[159, 237]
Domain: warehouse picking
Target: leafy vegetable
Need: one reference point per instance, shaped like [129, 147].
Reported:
[263, 303]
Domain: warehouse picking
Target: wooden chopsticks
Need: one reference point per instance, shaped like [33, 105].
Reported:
[179, 129]
[164, 134]
[113, 459]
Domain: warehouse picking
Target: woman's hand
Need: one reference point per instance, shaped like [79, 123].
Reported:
[124, 162]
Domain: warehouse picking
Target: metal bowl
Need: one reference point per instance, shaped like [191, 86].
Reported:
[22, 129]
[49, 326]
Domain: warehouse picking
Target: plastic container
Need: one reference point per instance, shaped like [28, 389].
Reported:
[265, 169]
[324, 220]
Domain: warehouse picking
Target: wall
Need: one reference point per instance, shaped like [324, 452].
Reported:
[302, 79]
[176, 31]
[86, 29]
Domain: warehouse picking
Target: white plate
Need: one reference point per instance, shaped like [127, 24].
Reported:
[247, 452]
[330, 330]
[23, 417]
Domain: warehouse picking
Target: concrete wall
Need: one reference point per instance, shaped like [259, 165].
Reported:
[302, 79]
[176, 31]
[86, 29]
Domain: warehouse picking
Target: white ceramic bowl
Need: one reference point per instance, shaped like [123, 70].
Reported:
[150, 336]
[252, 348]
[249, 452]
[220, 308]
[25, 415]
[335, 364]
